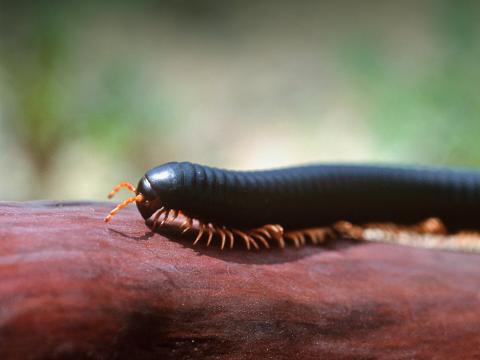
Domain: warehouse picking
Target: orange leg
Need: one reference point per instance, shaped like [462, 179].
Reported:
[230, 236]
[211, 231]
[315, 235]
[186, 225]
[223, 237]
[252, 238]
[157, 217]
[200, 233]
[260, 238]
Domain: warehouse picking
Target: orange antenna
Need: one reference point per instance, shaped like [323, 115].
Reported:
[124, 203]
[138, 198]
[120, 186]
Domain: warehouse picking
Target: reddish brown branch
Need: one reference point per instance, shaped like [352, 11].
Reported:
[73, 286]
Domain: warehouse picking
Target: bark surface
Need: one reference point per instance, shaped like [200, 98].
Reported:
[74, 287]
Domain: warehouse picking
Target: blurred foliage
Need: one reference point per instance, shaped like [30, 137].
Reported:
[432, 116]
[95, 92]
[51, 105]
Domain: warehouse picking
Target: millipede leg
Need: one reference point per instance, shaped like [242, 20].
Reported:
[230, 236]
[315, 235]
[243, 236]
[263, 232]
[253, 238]
[186, 225]
[301, 237]
[155, 219]
[174, 216]
[254, 243]
[165, 218]
[223, 237]
[200, 233]
[247, 239]
[211, 231]
[260, 238]
[293, 235]
[433, 226]
[276, 232]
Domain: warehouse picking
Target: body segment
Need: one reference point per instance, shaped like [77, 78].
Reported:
[316, 195]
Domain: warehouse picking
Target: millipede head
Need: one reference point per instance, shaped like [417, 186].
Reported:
[146, 198]
[151, 202]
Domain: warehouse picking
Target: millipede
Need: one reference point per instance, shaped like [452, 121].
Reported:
[298, 204]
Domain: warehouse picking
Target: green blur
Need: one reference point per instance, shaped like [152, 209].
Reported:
[93, 94]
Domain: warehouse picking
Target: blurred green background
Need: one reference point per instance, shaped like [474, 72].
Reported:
[93, 94]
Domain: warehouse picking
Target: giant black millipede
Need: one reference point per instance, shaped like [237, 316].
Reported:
[296, 203]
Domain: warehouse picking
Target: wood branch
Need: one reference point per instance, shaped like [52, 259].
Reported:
[72, 286]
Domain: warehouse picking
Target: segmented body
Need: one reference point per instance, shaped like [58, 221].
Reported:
[299, 200]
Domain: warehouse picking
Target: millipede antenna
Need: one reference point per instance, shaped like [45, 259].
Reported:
[122, 185]
[137, 198]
